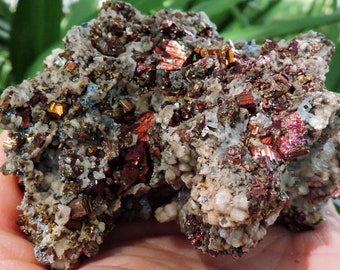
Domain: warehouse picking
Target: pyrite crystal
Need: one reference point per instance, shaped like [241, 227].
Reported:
[142, 116]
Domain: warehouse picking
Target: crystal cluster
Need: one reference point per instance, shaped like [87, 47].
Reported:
[157, 116]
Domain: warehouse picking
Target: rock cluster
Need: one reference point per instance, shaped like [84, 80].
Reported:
[141, 116]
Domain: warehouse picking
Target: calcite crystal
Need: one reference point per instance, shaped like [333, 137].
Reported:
[142, 116]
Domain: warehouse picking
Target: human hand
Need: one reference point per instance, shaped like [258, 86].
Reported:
[150, 245]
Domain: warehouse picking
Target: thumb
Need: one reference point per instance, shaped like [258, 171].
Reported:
[10, 194]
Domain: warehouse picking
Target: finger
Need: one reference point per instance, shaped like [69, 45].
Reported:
[10, 194]
[281, 249]
[14, 247]
[15, 251]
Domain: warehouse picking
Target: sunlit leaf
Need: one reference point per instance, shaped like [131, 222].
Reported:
[80, 12]
[176, 4]
[217, 7]
[5, 20]
[279, 28]
[4, 35]
[5, 69]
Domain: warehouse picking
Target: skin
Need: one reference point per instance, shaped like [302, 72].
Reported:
[149, 245]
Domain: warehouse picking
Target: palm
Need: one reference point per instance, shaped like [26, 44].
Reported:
[148, 245]
[281, 249]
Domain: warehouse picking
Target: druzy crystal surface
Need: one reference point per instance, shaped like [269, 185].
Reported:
[157, 116]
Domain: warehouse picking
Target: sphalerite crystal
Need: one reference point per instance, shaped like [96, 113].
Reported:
[142, 116]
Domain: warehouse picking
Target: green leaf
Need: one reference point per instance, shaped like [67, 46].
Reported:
[218, 10]
[5, 13]
[215, 8]
[280, 28]
[333, 78]
[252, 13]
[4, 35]
[176, 4]
[4, 25]
[239, 16]
[5, 19]
[146, 6]
[38, 64]
[256, 15]
[36, 25]
[334, 5]
[151, 7]
[5, 69]
[80, 12]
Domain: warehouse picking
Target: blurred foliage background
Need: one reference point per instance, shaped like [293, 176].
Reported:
[29, 30]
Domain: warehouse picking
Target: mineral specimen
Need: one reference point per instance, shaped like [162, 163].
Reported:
[143, 116]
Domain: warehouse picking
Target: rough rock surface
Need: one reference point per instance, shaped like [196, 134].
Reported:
[156, 116]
